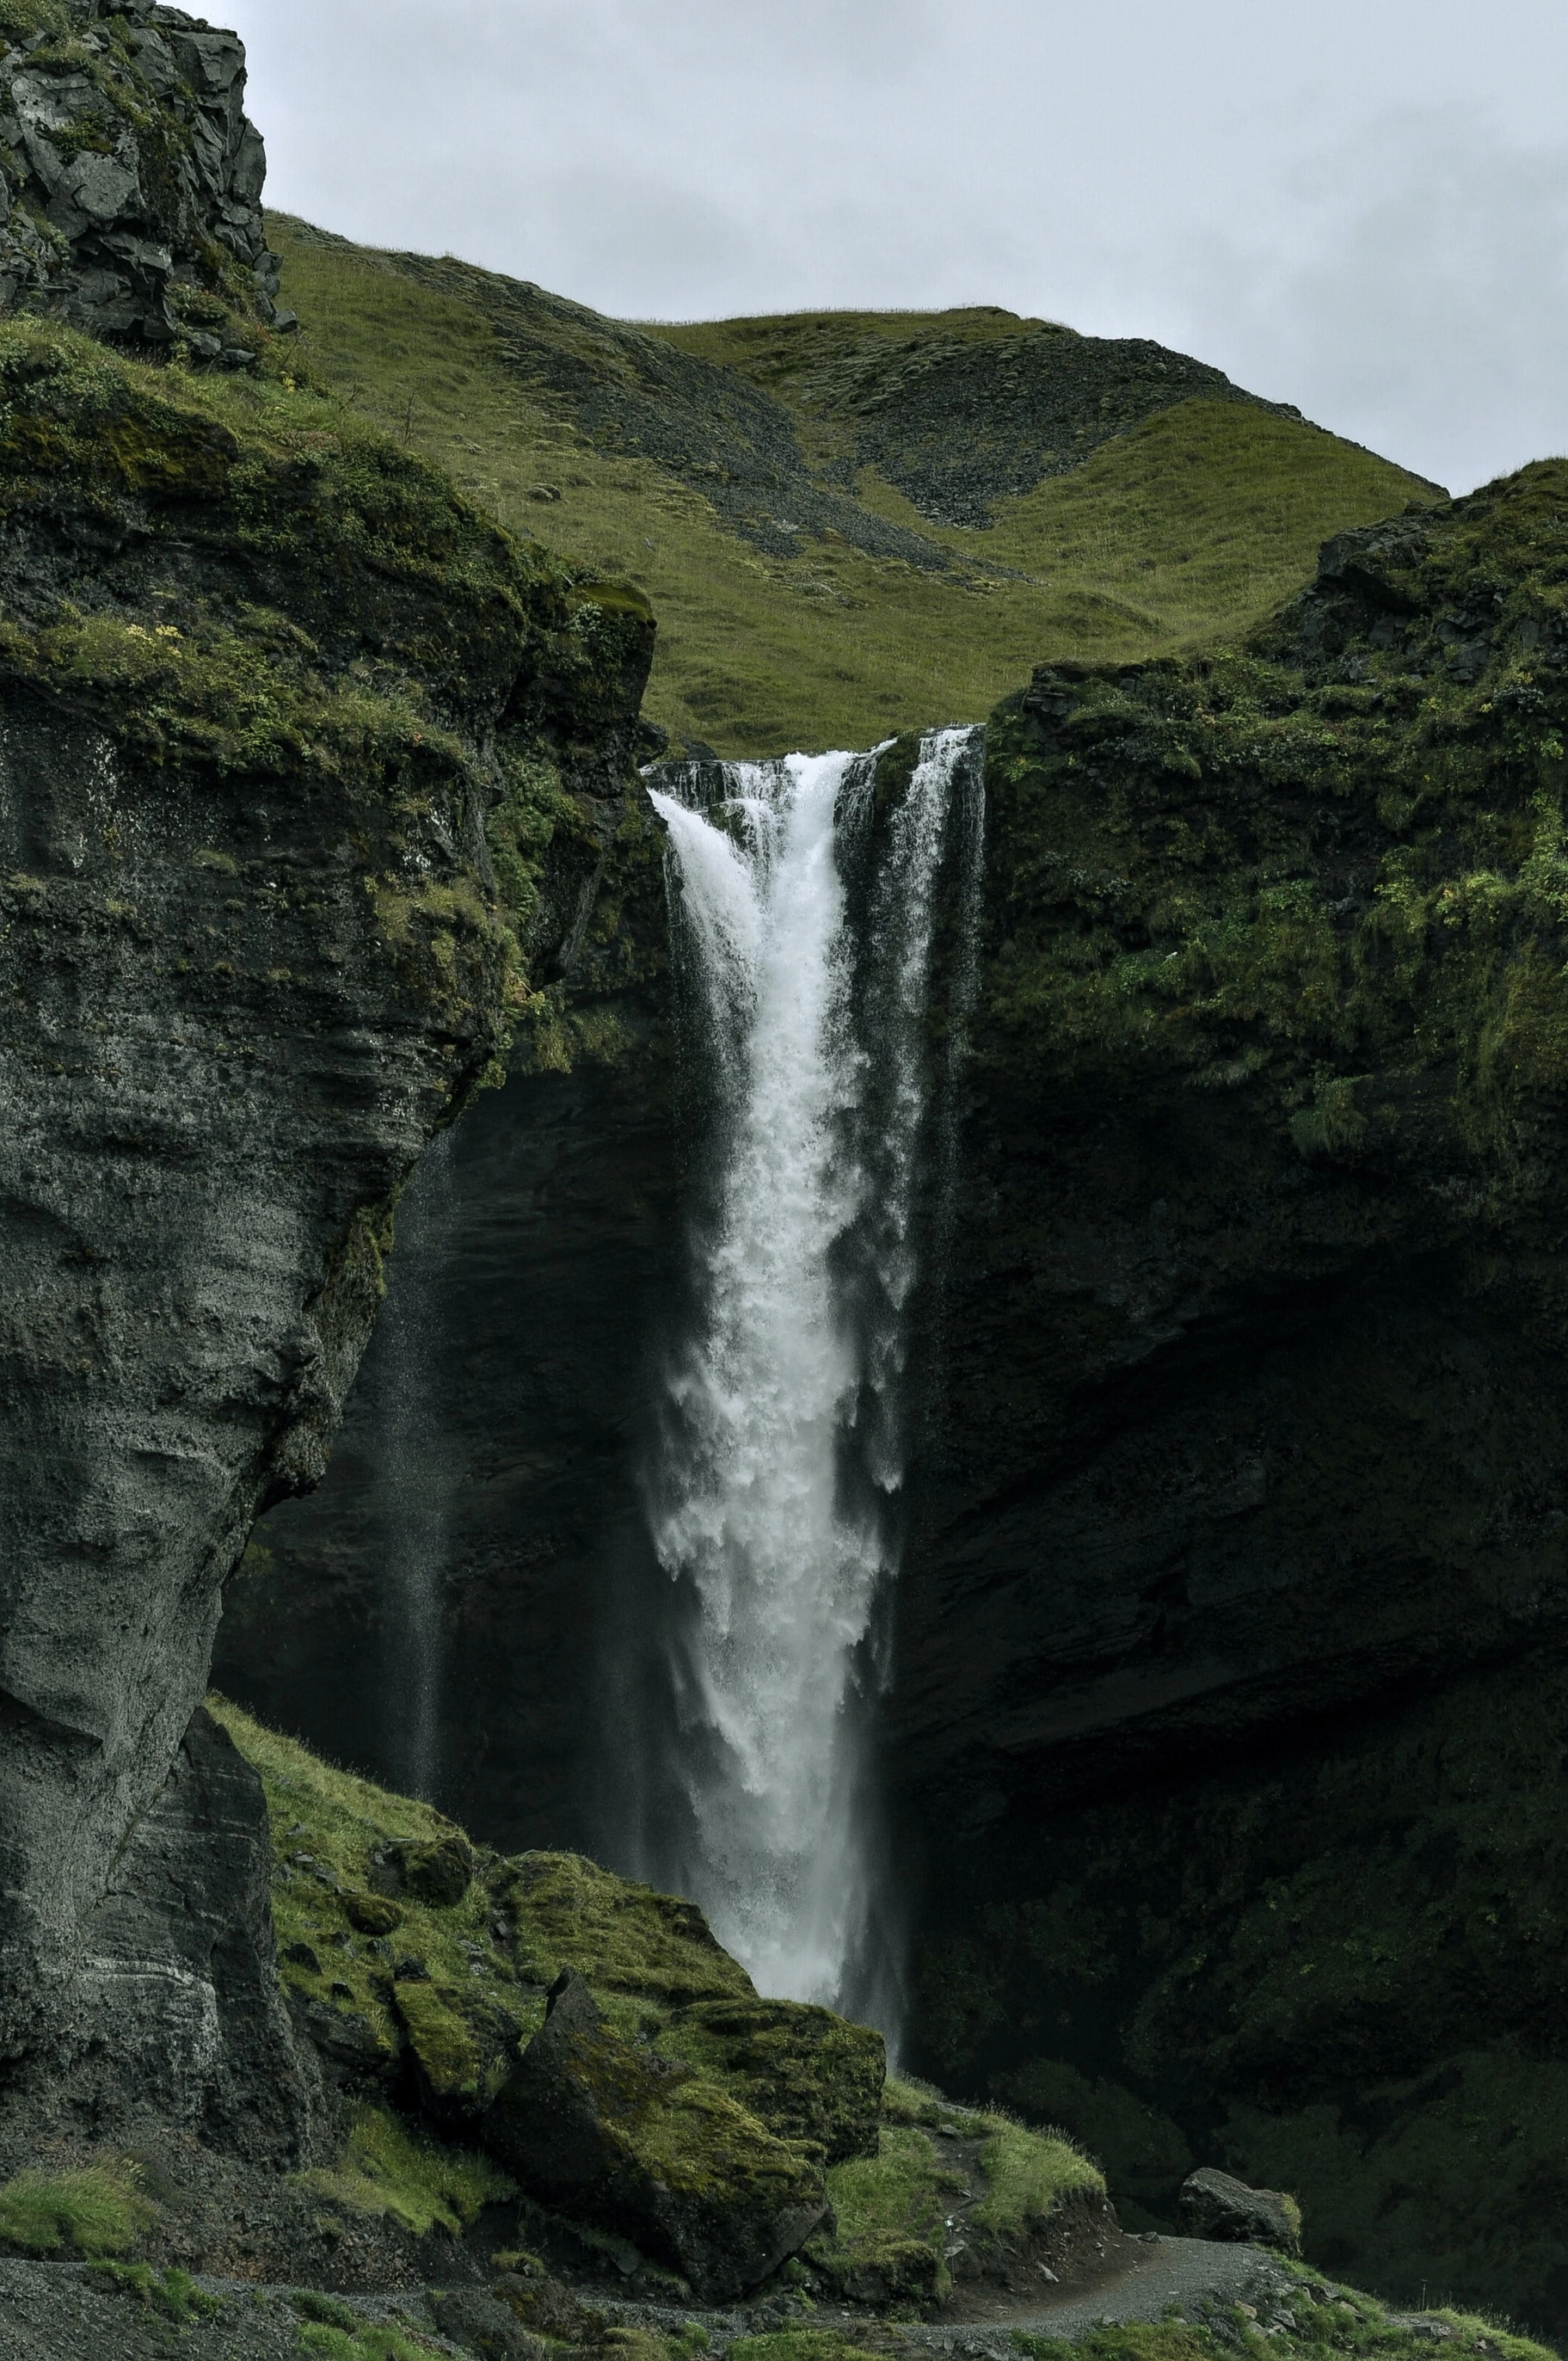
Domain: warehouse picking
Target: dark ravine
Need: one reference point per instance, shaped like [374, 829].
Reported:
[1237, 1530]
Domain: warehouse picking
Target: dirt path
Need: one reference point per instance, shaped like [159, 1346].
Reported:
[1145, 2276]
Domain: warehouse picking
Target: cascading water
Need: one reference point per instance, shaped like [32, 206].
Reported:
[413, 1480]
[772, 1505]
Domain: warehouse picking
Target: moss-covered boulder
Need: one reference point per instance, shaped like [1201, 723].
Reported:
[806, 2072]
[607, 2130]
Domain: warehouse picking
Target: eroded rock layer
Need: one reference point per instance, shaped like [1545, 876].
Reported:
[130, 177]
[262, 682]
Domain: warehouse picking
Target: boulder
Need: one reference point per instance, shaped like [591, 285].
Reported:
[609, 2131]
[1212, 2205]
[804, 2072]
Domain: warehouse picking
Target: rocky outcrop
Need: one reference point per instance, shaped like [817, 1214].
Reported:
[264, 682]
[1214, 2205]
[1242, 1522]
[130, 177]
[610, 2131]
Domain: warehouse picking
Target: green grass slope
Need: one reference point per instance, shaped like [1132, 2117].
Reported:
[783, 490]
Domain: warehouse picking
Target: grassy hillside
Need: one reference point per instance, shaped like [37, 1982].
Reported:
[784, 491]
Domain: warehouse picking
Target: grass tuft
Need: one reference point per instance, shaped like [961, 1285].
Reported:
[385, 2171]
[98, 2211]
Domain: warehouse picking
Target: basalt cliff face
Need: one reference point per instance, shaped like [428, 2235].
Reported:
[1229, 1630]
[264, 684]
[1230, 1654]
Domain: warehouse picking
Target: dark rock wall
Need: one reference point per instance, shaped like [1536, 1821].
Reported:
[538, 1271]
[1227, 1653]
[262, 681]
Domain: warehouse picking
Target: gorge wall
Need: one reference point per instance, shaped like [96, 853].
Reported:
[1229, 1630]
[266, 681]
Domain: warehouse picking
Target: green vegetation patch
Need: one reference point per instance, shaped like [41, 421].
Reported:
[1162, 839]
[1310, 2318]
[173, 2293]
[897, 2210]
[621, 1936]
[798, 2344]
[1027, 2176]
[388, 2171]
[808, 2073]
[336, 2332]
[1192, 525]
[98, 2211]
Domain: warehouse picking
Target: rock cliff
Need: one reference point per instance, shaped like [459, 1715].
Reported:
[266, 681]
[1229, 1653]
[130, 177]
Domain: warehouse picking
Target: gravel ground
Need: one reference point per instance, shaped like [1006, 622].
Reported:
[1191, 2273]
[65, 2312]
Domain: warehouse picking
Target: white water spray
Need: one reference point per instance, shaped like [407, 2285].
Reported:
[789, 1384]
[415, 1480]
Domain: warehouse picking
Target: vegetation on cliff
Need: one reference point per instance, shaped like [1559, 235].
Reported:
[393, 641]
[422, 1965]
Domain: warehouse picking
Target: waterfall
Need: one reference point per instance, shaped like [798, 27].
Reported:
[415, 1479]
[805, 923]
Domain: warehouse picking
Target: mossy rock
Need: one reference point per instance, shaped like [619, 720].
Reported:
[607, 2129]
[624, 1937]
[461, 2049]
[437, 1870]
[805, 2072]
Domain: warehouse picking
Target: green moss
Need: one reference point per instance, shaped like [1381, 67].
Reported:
[327, 1829]
[98, 2211]
[807, 2073]
[622, 1937]
[798, 2344]
[1309, 2319]
[363, 2340]
[385, 2171]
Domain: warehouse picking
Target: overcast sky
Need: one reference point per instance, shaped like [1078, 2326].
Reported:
[1357, 205]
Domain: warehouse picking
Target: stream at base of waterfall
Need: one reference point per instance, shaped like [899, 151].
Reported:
[803, 924]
